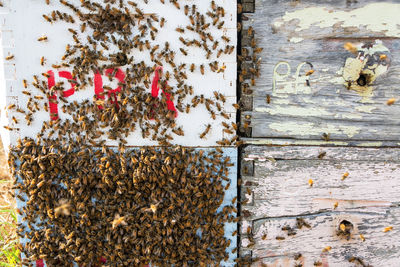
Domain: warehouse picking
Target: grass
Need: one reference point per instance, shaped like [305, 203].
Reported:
[9, 252]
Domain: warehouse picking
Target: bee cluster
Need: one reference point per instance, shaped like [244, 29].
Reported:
[84, 201]
[158, 205]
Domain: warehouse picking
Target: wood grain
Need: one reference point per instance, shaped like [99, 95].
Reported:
[278, 191]
[326, 106]
[378, 249]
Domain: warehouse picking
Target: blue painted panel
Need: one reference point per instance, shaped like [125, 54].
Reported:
[229, 195]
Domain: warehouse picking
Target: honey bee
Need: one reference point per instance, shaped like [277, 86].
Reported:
[184, 52]
[345, 175]
[9, 57]
[308, 73]
[72, 31]
[180, 30]
[47, 18]
[45, 74]
[391, 101]
[11, 106]
[239, 26]
[239, 8]
[118, 220]
[176, 4]
[162, 22]
[42, 60]
[42, 38]
[205, 132]
[225, 115]
[83, 27]
[25, 83]
[326, 136]
[202, 69]
[182, 40]
[351, 48]
[192, 67]
[327, 248]
[387, 229]
[132, 3]
[322, 155]
[362, 237]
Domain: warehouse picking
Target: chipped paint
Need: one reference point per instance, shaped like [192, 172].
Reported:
[366, 92]
[365, 108]
[295, 40]
[286, 142]
[370, 144]
[352, 69]
[281, 101]
[304, 129]
[381, 18]
[295, 111]
[282, 83]
[350, 116]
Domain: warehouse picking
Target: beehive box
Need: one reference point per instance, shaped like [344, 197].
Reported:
[33, 46]
[26, 63]
[319, 172]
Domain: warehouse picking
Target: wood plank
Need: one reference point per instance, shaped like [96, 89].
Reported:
[356, 184]
[378, 249]
[322, 143]
[294, 33]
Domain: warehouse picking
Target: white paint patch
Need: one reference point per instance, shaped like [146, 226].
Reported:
[379, 18]
[365, 108]
[294, 111]
[295, 40]
[349, 116]
[377, 144]
[304, 129]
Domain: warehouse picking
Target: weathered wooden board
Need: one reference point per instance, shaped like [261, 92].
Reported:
[276, 184]
[296, 33]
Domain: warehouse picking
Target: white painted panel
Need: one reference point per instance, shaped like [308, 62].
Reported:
[22, 24]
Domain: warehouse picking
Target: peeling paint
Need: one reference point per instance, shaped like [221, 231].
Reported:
[283, 83]
[295, 40]
[365, 108]
[304, 129]
[295, 111]
[370, 144]
[350, 116]
[281, 101]
[381, 18]
[286, 142]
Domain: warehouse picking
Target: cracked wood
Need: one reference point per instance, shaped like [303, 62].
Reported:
[368, 197]
[297, 32]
